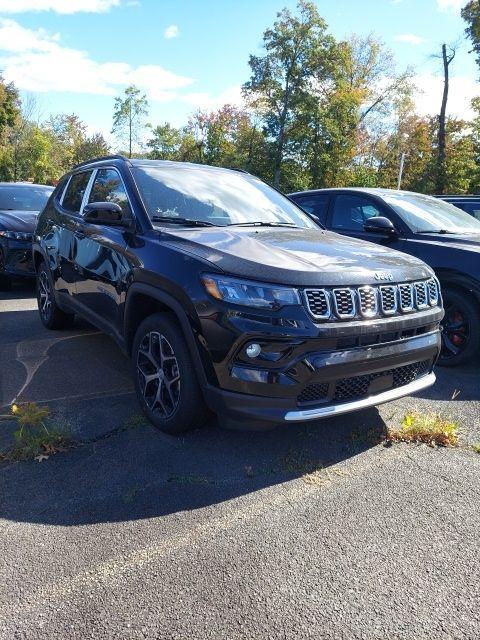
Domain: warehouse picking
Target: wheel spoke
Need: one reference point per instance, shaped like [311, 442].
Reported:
[158, 374]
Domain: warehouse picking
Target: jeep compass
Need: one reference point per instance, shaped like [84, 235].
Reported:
[228, 298]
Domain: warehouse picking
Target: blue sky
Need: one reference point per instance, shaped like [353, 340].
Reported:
[76, 55]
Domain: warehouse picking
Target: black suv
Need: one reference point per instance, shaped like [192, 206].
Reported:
[447, 238]
[228, 297]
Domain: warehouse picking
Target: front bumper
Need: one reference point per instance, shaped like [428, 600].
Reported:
[17, 258]
[334, 383]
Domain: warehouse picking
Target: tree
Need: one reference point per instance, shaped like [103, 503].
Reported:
[471, 15]
[447, 59]
[165, 142]
[295, 49]
[129, 116]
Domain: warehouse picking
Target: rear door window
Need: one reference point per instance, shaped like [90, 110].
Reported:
[315, 204]
[72, 200]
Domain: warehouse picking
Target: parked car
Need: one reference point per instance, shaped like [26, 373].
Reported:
[445, 237]
[228, 297]
[20, 204]
[470, 204]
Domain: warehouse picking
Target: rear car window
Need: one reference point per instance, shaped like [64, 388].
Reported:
[316, 205]
[72, 200]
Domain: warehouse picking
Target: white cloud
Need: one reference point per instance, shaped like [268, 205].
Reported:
[409, 38]
[171, 32]
[203, 100]
[59, 6]
[450, 5]
[461, 91]
[37, 61]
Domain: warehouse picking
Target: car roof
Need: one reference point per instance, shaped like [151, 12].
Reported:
[25, 184]
[464, 196]
[145, 162]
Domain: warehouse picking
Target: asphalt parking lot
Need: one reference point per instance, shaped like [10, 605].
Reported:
[219, 534]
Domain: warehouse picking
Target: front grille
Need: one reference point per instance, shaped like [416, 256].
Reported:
[344, 302]
[318, 303]
[372, 301]
[433, 294]
[421, 295]
[313, 393]
[406, 297]
[357, 387]
[388, 297]
[368, 301]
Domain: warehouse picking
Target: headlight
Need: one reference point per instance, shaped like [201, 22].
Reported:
[248, 293]
[17, 235]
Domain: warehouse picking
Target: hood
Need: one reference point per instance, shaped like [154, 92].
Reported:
[304, 257]
[18, 220]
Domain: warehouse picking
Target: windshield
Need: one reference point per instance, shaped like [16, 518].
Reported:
[213, 196]
[425, 213]
[26, 198]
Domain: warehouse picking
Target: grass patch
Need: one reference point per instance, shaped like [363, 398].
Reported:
[476, 447]
[35, 437]
[429, 428]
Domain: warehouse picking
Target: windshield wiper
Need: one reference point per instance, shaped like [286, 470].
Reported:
[185, 221]
[261, 223]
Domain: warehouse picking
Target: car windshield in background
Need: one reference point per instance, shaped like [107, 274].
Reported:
[209, 196]
[23, 198]
[431, 215]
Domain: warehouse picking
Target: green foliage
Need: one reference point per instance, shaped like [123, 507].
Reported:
[429, 428]
[129, 117]
[471, 15]
[35, 436]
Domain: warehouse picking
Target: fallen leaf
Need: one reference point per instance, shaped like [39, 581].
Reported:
[41, 457]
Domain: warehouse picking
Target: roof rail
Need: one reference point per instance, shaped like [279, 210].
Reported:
[111, 157]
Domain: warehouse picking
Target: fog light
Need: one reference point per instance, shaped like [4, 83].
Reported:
[253, 350]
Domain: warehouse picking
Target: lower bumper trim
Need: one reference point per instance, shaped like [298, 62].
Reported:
[355, 405]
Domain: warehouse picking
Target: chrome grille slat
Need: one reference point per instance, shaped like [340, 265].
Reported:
[406, 297]
[388, 298]
[371, 301]
[368, 301]
[344, 302]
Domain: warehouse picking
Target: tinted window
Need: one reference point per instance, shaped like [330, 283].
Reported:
[473, 208]
[24, 198]
[218, 196]
[108, 187]
[424, 214]
[72, 200]
[350, 212]
[317, 205]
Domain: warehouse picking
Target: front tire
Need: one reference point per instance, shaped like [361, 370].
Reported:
[5, 280]
[51, 315]
[461, 328]
[165, 379]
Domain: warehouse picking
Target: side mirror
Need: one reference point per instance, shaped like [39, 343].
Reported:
[109, 214]
[381, 226]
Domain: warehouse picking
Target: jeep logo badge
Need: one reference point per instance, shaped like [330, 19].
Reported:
[383, 275]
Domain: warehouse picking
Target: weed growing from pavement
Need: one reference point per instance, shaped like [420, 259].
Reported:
[429, 428]
[476, 447]
[36, 437]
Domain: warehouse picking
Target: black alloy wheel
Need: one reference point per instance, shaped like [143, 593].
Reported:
[460, 328]
[50, 313]
[165, 378]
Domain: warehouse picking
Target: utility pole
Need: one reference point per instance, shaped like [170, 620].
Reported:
[400, 171]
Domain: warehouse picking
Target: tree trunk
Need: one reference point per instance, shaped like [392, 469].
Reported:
[130, 131]
[441, 168]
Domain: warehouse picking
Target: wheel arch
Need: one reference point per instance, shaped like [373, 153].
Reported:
[450, 278]
[142, 301]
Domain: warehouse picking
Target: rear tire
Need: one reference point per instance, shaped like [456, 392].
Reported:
[51, 315]
[461, 328]
[164, 375]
